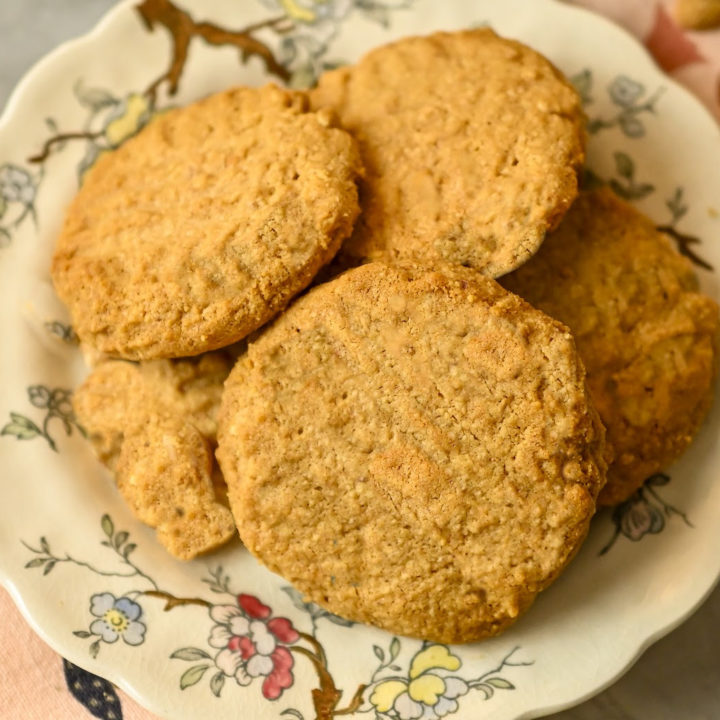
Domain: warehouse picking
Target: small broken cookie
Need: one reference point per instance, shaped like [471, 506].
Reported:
[153, 424]
[164, 473]
[118, 394]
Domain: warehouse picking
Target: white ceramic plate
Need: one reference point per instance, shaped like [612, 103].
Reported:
[95, 584]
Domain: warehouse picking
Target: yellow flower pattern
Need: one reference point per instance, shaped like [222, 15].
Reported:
[300, 12]
[385, 693]
[431, 688]
[427, 692]
[434, 656]
[134, 115]
[315, 24]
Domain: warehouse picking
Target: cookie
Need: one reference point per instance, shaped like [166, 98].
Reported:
[154, 425]
[471, 144]
[414, 449]
[202, 227]
[119, 394]
[697, 14]
[647, 337]
[165, 474]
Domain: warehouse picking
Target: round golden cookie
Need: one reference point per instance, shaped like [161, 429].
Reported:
[154, 425]
[202, 227]
[471, 144]
[413, 449]
[646, 335]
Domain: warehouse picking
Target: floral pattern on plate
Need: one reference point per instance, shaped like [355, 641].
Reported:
[248, 643]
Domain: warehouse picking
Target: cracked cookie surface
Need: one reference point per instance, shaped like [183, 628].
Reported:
[202, 227]
[471, 144]
[154, 425]
[413, 449]
[646, 334]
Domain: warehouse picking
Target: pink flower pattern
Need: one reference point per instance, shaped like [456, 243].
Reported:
[252, 644]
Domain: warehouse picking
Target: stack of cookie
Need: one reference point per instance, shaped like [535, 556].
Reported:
[410, 443]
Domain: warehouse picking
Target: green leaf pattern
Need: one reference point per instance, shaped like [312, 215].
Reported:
[190, 654]
[192, 676]
[56, 402]
[21, 427]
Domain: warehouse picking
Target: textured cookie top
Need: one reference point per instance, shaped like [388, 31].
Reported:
[203, 226]
[646, 335]
[413, 449]
[154, 425]
[118, 398]
[471, 144]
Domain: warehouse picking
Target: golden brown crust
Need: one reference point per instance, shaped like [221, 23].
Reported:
[154, 425]
[414, 449]
[697, 14]
[165, 474]
[646, 335]
[203, 226]
[471, 143]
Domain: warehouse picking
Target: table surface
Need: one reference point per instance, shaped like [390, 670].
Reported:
[678, 678]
